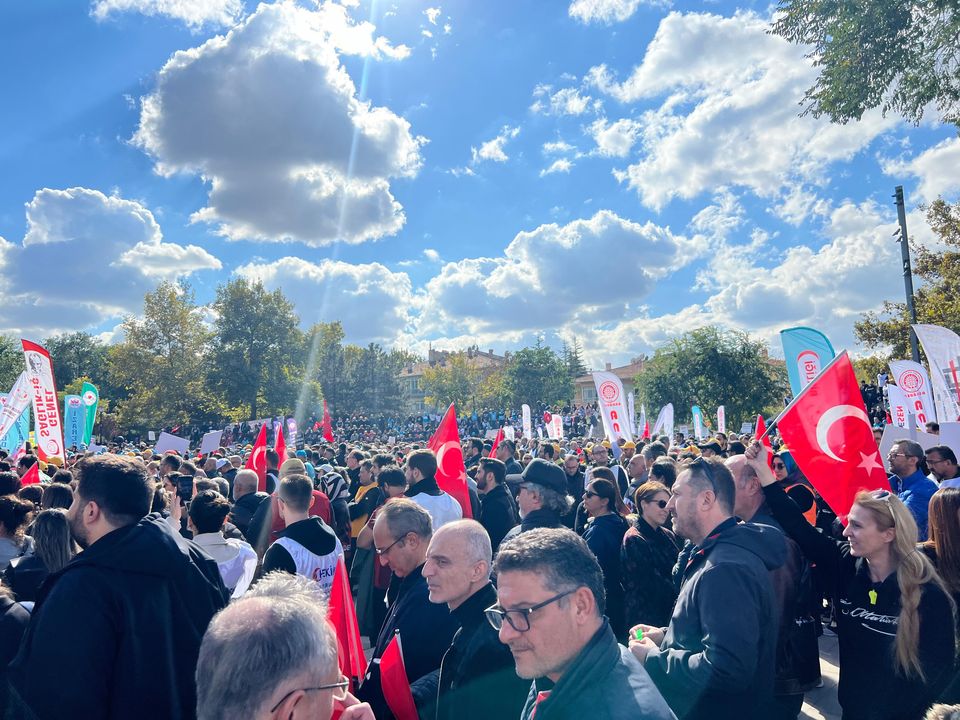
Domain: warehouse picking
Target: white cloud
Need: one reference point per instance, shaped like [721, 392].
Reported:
[725, 96]
[371, 302]
[431, 255]
[561, 165]
[112, 253]
[615, 139]
[493, 149]
[537, 282]
[432, 14]
[603, 11]
[566, 101]
[195, 13]
[720, 219]
[269, 117]
[937, 168]
[556, 148]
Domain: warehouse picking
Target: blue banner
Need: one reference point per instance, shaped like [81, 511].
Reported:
[806, 351]
[18, 433]
[74, 420]
[697, 422]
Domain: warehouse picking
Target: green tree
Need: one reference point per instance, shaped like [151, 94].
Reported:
[371, 379]
[162, 363]
[257, 348]
[899, 56]
[867, 368]
[452, 381]
[492, 391]
[326, 365]
[709, 367]
[76, 355]
[936, 297]
[11, 361]
[537, 374]
[572, 356]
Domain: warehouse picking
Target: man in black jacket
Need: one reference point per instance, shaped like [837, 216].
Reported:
[401, 534]
[246, 501]
[549, 611]
[126, 615]
[543, 498]
[711, 662]
[476, 679]
[505, 454]
[498, 512]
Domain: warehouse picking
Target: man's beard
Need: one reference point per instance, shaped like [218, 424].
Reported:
[79, 534]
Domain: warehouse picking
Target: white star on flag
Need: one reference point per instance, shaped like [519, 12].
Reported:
[870, 462]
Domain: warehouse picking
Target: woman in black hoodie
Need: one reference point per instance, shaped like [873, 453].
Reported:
[895, 617]
[604, 535]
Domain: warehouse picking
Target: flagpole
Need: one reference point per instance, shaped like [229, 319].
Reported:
[773, 424]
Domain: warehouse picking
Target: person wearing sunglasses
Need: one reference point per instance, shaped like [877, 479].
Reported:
[647, 557]
[717, 657]
[895, 619]
[604, 536]
[272, 655]
[910, 482]
[550, 613]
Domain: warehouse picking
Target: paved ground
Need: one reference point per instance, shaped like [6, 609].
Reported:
[821, 704]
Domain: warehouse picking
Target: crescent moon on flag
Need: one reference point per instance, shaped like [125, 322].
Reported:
[827, 420]
[260, 450]
[442, 450]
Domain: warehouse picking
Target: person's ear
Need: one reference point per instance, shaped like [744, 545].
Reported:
[91, 513]
[584, 604]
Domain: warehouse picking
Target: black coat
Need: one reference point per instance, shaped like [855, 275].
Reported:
[718, 656]
[535, 519]
[498, 514]
[125, 617]
[425, 630]
[604, 682]
[13, 624]
[243, 511]
[477, 679]
[24, 575]
[604, 536]
[648, 557]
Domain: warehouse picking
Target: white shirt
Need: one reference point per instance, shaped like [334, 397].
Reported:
[236, 560]
[442, 508]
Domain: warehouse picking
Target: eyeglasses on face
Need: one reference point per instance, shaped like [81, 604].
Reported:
[519, 620]
[384, 551]
[590, 494]
[779, 466]
[339, 691]
[659, 503]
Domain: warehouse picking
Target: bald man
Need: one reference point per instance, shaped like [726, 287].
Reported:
[476, 679]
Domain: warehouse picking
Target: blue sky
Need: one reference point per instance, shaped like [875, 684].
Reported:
[615, 171]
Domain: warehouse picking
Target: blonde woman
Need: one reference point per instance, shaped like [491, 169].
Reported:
[896, 623]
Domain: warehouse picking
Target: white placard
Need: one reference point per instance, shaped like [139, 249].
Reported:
[151, 435]
[171, 442]
[210, 441]
[950, 436]
[392, 440]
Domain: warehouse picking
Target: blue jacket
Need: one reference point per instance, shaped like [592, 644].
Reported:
[915, 490]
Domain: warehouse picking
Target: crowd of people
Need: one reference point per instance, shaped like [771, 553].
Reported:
[646, 578]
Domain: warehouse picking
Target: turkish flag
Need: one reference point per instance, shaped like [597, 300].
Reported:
[280, 444]
[496, 441]
[258, 459]
[327, 424]
[31, 476]
[829, 435]
[764, 439]
[343, 616]
[394, 683]
[451, 472]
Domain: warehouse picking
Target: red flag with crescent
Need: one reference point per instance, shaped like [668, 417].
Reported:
[343, 616]
[258, 459]
[280, 445]
[829, 435]
[327, 423]
[764, 439]
[496, 441]
[451, 472]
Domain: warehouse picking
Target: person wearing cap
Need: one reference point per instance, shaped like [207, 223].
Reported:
[543, 499]
[710, 449]
[627, 450]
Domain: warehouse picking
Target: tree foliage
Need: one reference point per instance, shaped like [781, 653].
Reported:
[257, 348]
[537, 374]
[77, 355]
[936, 296]
[709, 367]
[899, 56]
[11, 361]
[453, 381]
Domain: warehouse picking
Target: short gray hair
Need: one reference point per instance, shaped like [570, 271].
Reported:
[276, 631]
[404, 516]
[550, 499]
[246, 478]
[475, 537]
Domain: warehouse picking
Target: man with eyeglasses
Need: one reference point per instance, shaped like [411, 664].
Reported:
[273, 654]
[717, 658]
[476, 679]
[401, 535]
[943, 463]
[549, 612]
[909, 483]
